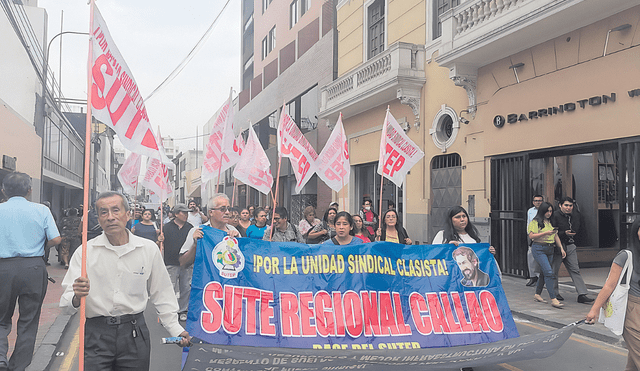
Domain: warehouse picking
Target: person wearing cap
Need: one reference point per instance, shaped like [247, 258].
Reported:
[335, 204]
[175, 233]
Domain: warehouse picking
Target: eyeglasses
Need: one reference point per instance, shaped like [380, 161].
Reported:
[222, 209]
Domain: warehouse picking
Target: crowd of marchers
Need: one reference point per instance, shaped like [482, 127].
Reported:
[130, 260]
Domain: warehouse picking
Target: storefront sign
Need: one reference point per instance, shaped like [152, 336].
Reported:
[513, 118]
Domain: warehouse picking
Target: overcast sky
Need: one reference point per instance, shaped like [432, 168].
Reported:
[153, 38]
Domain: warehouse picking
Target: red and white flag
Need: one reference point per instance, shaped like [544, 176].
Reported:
[254, 167]
[156, 179]
[293, 144]
[115, 98]
[129, 173]
[221, 151]
[398, 153]
[333, 164]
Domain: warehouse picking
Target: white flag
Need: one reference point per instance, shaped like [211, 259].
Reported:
[129, 172]
[254, 167]
[333, 163]
[220, 152]
[293, 144]
[115, 98]
[398, 153]
[156, 179]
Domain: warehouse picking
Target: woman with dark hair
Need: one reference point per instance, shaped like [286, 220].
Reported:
[369, 217]
[146, 228]
[327, 229]
[391, 230]
[344, 231]
[234, 220]
[544, 237]
[631, 332]
[458, 229]
[257, 229]
[359, 229]
[245, 218]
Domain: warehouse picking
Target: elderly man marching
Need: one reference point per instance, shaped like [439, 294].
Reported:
[127, 270]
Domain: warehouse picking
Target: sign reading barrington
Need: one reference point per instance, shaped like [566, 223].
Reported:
[368, 296]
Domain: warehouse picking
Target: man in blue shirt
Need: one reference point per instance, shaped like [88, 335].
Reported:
[26, 227]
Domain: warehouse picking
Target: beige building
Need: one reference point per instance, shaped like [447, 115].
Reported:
[507, 98]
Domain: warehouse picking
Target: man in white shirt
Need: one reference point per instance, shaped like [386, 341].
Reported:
[128, 271]
[196, 217]
[534, 267]
[219, 214]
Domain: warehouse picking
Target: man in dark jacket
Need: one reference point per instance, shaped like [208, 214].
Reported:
[568, 223]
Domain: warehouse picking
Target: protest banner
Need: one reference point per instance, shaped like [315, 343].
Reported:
[333, 163]
[369, 296]
[398, 153]
[221, 151]
[129, 173]
[156, 179]
[115, 97]
[293, 144]
[203, 357]
[254, 168]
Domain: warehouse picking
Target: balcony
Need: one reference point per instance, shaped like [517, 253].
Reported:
[479, 32]
[395, 73]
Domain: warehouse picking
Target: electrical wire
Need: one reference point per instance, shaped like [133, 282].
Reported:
[189, 56]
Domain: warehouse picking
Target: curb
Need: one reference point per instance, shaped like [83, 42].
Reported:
[45, 352]
[580, 330]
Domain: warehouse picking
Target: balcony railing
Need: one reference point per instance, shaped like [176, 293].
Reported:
[395, 73]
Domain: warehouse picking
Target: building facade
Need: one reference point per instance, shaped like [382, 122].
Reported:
[517, 98]
[287, 55]
[38, 139]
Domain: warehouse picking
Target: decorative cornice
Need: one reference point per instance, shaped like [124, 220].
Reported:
[469, 83]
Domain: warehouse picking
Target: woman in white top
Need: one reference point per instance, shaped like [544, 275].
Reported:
[458, 229]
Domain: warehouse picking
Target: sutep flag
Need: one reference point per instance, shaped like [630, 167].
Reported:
[129, 172]
[220, 151]
[292, 144]
[156, 178]
[398, 153]
[254, 167]
[115, 98]
[333, 163]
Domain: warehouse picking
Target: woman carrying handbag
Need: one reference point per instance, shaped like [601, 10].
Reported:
[631, 329]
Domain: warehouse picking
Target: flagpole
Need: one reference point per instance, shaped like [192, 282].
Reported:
[273, 212]
[85, 203]
[382, 178]
[233, 197]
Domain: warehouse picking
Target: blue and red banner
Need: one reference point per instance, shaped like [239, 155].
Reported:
[375, 296]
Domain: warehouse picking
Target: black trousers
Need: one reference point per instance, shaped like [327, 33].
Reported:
[117, 346]
[22, 280]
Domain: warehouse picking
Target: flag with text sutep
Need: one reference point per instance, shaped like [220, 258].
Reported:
[220, 151]
[115, 98]
[293, 144]
[129, 173]
[333, 162]
[254, 167]
[156, 179]
[398, 153]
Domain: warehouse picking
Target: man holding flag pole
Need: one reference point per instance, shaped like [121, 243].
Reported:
[129, 269]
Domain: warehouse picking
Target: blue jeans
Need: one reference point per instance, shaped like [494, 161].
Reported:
[543, 254]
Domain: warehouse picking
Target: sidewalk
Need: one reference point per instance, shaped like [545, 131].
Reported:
[54, 320]
[523, 306]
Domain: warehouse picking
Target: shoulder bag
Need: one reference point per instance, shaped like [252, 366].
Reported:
[613, 311]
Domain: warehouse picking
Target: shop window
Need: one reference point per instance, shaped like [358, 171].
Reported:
[439, 8]
[376, 28]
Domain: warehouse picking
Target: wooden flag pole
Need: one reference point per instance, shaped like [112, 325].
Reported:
[85, 203]
[382, 179]
[273, 212]
[233, 196]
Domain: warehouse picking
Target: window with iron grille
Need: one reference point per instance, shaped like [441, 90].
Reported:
[376, 28]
